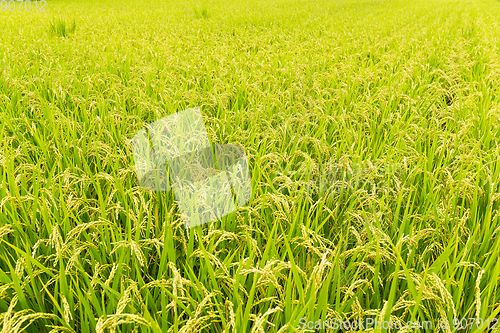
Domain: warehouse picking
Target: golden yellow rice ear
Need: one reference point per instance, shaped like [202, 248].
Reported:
[151, 172]
[232, 160]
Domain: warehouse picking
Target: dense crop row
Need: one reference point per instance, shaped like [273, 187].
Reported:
[392, 103]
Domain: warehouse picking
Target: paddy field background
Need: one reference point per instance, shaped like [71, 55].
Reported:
[372, 132]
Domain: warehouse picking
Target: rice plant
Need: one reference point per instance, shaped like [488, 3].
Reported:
[372, 131]
[201, 12]
[60, 28]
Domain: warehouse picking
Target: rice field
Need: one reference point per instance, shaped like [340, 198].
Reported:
[372, 132]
